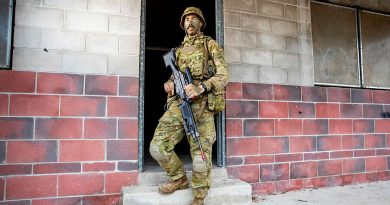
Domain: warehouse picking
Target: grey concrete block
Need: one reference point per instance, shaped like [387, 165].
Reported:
[27, 37]
[304, 30]
[232, 19]
[129, 45]
[62, 40]
[272, 75]
[243, 73]
[123, 65]
[124, 25]
[232, 54]
[38, 16]
[271, 41]
[110, 6]
[68, 4]
[240, 38]
[290, 12]
[86, 21]
[282, 27]
[255, 23]
[36, 60]
[84, 63]
[286, 60]
[304, 15]
[131, 7]
[102, 43]
[293, 45]
[240, 5]
[32, 2]
[269, 8]
[257, 57]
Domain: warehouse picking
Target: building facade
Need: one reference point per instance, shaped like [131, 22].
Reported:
[308, 103]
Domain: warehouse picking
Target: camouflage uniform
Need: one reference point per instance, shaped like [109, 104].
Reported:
[170, 130]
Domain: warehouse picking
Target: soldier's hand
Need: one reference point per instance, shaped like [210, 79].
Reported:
[193, 91]
[169, 87]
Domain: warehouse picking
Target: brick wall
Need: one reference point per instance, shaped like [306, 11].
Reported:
[67, 138]
[282, 138]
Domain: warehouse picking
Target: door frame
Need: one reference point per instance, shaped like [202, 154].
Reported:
[219, 118]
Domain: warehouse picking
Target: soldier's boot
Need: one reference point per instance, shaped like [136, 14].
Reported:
[170, 187]
[197, 201]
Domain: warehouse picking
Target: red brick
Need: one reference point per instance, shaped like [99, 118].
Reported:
[2, 151]
[58, 201]
[388, 163]
[31, 151]
[381, 96]
[248, 174]
[264, 188]
[60, 83]
[58, 128]
[327, 110]
[259, 159]
[339, 95]
[122, 107]
[375, 164]
[258, 127]
[57, 168]
[128, 86]
[101, 85]
[102, 200]
[16, 128]
[340, 126]
[2, 187]
[273, 145]
[273, 109]
[231, 161]
[128, 129]
[352, 142]
[3, 105]
[388, 140]
[17, 81]
[375, 141]
[363, 126]
[341, 154]
[361, 96]
[15, 169]
[80, 184]
[317, 126]
[325, 143]
[288, 127]
[81, 150]
[382, 152]
[351, 166]
[316, 156]
[286, 186]
[233, 128]
[364, 153]
[122, 150]
[127, 166]
[242, 146]
[330, 167]
[301, 110]
[314, 94]
[34, 105]
[26, 187]
[98, 166]
[83, 106]
[100, 128]
[351, 110]
[303, 144]
[234, 91]
[274, 172]
[115, 181]
[287, 92]
[382, 126]
[303, 170]
[372, 111]
[241, 109]
[288, 157]
[320, 182]
[257, 91]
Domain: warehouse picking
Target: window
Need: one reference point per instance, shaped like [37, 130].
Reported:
[6, 18]
[351, 47]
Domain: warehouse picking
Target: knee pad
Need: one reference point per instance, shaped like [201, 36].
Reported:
[198, 165]
[154, 151]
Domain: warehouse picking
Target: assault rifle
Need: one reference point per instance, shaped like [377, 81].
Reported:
[181, 80]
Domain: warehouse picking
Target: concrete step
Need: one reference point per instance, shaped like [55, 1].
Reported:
[223, 191]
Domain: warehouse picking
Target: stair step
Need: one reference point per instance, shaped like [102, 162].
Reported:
[223, 191]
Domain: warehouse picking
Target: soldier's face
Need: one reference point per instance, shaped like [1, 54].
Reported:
[192, 24]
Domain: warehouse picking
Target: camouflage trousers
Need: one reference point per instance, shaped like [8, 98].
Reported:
[170, 131]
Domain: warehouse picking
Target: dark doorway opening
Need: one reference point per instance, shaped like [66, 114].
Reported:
[163, 32]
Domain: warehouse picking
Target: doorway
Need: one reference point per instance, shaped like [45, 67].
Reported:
[161, 33]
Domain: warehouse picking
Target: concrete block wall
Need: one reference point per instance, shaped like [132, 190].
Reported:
[77, 36]
[67, 138]
[282, 138]
[269, 41]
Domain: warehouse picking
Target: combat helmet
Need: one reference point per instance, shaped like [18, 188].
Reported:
[192, 10]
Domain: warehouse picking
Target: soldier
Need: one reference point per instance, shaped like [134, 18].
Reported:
[197, 52]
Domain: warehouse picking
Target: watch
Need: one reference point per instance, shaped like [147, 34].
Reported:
[204, 87]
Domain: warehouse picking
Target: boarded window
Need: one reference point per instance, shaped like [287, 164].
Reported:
[6, 16]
